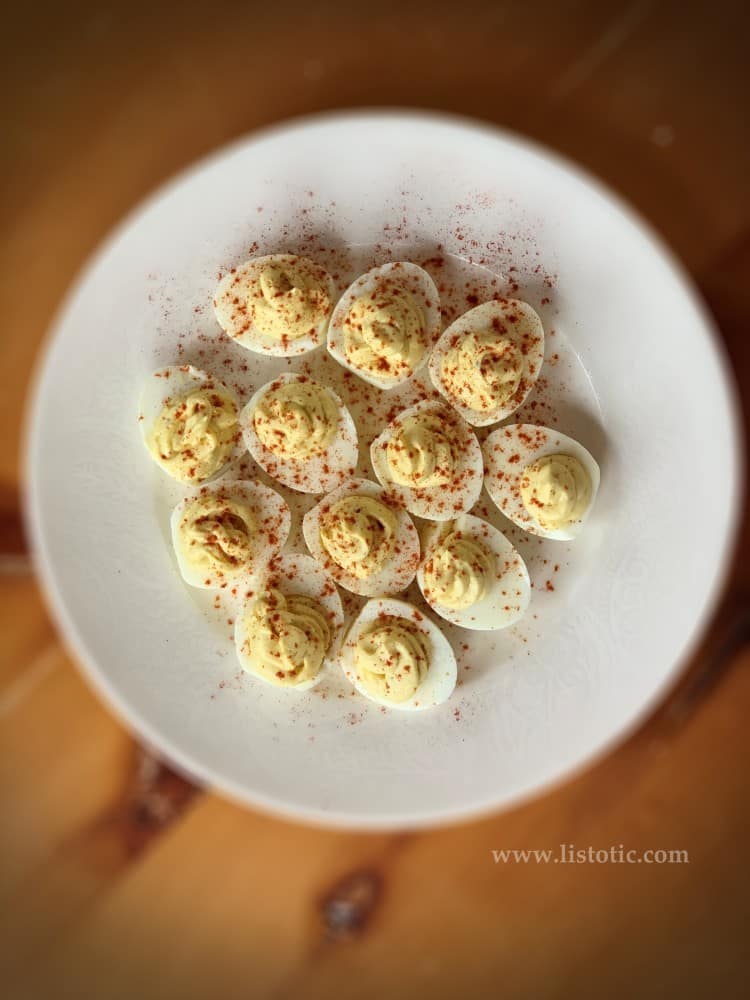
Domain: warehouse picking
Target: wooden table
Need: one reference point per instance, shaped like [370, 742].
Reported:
[117, 878]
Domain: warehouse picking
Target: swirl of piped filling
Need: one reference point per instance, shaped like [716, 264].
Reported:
[216, 534]
[287, 637]
[385, 332]
[458, 572]
[421, 452]
[482, 370]
[194, 434]
[359, 534]
[556, 491]
[392, 658]
[296, 419]
[289, 297]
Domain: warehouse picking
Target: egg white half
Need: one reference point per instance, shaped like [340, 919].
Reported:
[176, 380]
[516, 322]
[419, 284]
[397, 573]
[291, 573]
[446, 501]
[319, 473]
[507, 452]
[235, 318]
[509, 591]
[272, 517]
[440, 682]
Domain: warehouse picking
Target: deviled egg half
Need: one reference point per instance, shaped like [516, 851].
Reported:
[190, 423]
[362, 536]
[396, 656]
[279, 304]
[472, 576]
[288, 627]
[301, 434]
[228, 529]
[487, 361]
[385, 324]
[434, 459]
[542, 480]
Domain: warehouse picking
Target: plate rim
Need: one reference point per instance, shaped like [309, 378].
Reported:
[182, 760]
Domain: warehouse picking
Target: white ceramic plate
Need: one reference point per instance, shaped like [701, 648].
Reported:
[638, 378]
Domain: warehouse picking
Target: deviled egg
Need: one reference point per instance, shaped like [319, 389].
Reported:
[362, 536]
[542, 480]
[433, 457]
[385, 324]
[301, 434]
[396, 656]
[190, 423]
[279, 304]
[487, 361]
[228, 529]
[288, 626]
[472, 576]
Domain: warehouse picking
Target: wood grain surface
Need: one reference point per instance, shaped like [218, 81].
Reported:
[119, 879]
